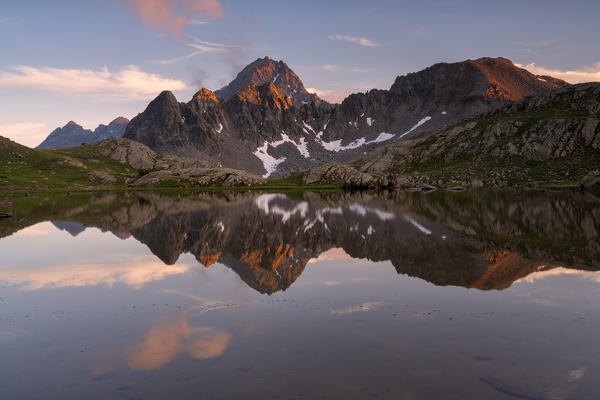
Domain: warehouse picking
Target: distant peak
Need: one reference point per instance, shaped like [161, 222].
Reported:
[72, 123]
[120, 120]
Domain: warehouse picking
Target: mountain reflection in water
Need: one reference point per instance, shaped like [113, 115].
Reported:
[484, 240]
[300, 295]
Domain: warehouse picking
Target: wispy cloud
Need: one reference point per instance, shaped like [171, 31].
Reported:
[171, 16]
[584, 74]
[129, 82]
[200, 47]
[357, 40]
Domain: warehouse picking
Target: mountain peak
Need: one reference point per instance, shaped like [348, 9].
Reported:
[73, 134]
[485, 79]
[265, 70]
[266, 95]
[509, 82]
[119, 120]
[205, 95]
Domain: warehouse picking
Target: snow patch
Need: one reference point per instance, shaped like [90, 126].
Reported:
[370, 121]
[444, 113]
[263, 204]
[307, 126]
[275, 79]
[303, 148]
[417, 225]
[336, 145]
[221, 226]
[270, 163]
[383, 137]
[361, 210]
[220, 128]
[358, 209]
[418, 124]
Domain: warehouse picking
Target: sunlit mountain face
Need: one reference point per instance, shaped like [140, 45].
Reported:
[143, 294]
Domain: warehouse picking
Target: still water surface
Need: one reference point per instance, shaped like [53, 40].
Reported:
[474, 295]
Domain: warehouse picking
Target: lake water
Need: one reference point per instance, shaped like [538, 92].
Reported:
[472, 295]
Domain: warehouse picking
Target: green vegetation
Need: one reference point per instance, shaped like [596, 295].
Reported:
[82, 168]
[522, 145]
[25, 168]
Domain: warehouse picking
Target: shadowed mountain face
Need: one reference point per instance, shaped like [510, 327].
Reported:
[73, 134]
[483, 240]
[266, 123]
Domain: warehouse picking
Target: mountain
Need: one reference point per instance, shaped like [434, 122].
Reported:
[260, 128]
[549, 139]
[265, 70]
[73, 134]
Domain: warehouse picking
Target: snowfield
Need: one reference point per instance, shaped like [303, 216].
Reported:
[418, 124]
[270, 163]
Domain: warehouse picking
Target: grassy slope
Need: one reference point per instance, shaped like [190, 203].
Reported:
[472, 164]
[69, 169]
[22, 167]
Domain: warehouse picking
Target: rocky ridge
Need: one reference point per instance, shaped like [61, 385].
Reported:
[261, 129]
[550, 139]
[73, 134]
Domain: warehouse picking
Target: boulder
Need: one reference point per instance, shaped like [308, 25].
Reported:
[349, 176]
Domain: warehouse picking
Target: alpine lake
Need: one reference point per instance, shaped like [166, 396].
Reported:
[300, 295]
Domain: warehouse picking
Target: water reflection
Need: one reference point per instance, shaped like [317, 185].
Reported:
[484, 240]
[164, 342]
[139, 295]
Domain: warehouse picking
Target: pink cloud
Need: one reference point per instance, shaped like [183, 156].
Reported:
[171, 16]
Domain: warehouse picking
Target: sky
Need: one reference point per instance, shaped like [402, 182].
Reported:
[94, 60]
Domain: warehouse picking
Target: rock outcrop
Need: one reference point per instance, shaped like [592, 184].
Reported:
[552, 138]
[158, 169]
[349, 176]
